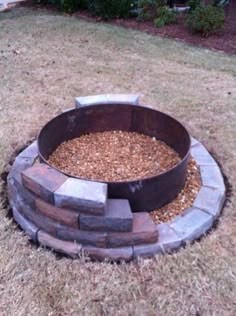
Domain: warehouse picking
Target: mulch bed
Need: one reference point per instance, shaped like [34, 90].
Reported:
[114, 156]
[224, 40]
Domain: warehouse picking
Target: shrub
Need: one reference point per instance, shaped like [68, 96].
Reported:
[148, 9]
[206, 19]
[108, 9]
[193, 4]
[164, 16]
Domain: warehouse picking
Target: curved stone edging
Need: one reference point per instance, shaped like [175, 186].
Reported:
[193, 223]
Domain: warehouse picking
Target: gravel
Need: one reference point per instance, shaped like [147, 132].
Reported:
[184, 199]
[114, 156]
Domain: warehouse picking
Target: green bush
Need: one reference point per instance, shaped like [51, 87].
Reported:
[108, 9]
[148, 9]
[206, 19]
[193, 4]
[164, 16]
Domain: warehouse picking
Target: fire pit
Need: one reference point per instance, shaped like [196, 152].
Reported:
[143, 194]
[108, 219]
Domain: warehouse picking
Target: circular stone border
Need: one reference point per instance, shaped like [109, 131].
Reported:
[190, 225]
[24, 192]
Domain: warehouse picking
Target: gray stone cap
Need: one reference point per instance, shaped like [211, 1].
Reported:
[132, 99]
[83, 195]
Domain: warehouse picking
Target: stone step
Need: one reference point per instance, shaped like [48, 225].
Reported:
[144, 231]
[118, 217]
[63, 216]
[43, 181]
[52, 186]
[87, 197]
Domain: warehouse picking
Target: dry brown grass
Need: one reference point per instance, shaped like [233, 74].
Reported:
[60, 58]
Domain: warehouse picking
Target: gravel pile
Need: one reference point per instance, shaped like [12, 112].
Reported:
[114, 156]
[184, 199]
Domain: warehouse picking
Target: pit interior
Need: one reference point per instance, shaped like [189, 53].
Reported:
[146, 193]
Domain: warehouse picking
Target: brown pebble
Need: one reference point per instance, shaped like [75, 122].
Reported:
[114, 156]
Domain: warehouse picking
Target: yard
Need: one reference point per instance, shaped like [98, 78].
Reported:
[46, 60]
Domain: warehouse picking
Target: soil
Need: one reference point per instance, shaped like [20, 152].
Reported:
[114, 156]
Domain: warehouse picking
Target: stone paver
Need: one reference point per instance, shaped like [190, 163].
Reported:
[112, 254]
[85, 196]
[212, 177]
[144, 232]
[194, 142]
[20, 164]
[71, 249]
[147, 251]
[132, 99]
[167, 238]
[31, 151]
[192, 224]
[16, 191]
[63, 216]
[201, 155]
[210, 200]
[29, 228]
[43, 181]
[97, 239]
[118, 217]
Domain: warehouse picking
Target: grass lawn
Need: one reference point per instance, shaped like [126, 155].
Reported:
[46, 60]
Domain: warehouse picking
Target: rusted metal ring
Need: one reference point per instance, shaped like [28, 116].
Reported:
[144, 194]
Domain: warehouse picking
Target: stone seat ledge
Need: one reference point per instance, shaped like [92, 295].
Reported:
[132, 99]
